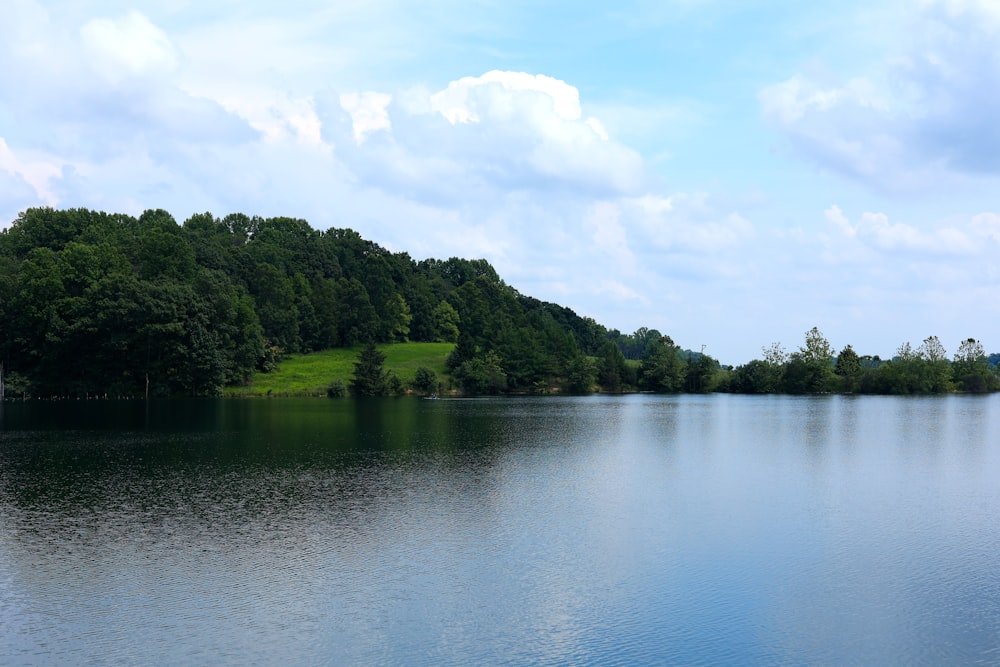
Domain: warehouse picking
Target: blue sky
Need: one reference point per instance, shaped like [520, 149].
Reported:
[730, 173]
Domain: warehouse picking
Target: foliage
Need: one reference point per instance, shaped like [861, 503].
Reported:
[921, 370]
[337, 389]
[370, 376]
[700, 374]
[662, 369]
[582, 375]
[108, 305]
[482, 374]
[754, 377]
[446, 323]
[809, 370]
[971, 368]
[425, 380]
[848, 369]
[613, 374]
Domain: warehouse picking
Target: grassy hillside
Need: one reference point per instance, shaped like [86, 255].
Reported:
[311, 374]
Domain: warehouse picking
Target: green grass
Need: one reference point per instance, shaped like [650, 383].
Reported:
[311, 374]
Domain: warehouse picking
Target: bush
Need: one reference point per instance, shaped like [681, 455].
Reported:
[425, 380]
[337, 389]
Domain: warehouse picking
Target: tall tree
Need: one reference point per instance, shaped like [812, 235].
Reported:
[810, 369]
[370, 376]
[446, 323]
[848, 368]
[700, 373]
[612, 370]
[661, 369]
[938, 369]
[972, 369]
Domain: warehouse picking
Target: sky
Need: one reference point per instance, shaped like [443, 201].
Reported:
[729, 172]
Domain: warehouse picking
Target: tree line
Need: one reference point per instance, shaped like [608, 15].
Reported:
[816, 368]
[107, 304]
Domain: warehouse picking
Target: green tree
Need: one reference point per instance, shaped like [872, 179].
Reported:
[767, 376]
[754, 377]
[906, 373]
[661, 369]
[582, 375]
[357, 318]
[370, 376]
[699, 375]
[274, 296]
[937, 371]
[396, 315]
[324, 301]
[848, 369]
[972, 370]
[425, 380]
[809, 370]
[464, 350]
[612, 370]
[446, 323]
[483, 374]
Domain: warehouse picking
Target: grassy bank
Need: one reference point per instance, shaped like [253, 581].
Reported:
[311, 374]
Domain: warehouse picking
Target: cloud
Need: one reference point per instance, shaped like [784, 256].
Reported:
[98, 118]
[688, 222]
[38, 173]
[90, 91]
[986, 226]
[923, 118]
[368, 112]
[15, 196]
[276, 117]
[541, 119]
[128, 47]
[976, 238]
[609, 236]
[478, 137]
[465, 99]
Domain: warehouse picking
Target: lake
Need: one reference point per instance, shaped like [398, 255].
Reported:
[550, 530]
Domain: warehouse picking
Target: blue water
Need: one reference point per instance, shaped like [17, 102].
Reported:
[597, 530]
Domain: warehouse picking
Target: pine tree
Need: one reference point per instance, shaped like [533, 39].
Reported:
[370, 378]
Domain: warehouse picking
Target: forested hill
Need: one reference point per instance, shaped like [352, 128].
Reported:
[93, 303]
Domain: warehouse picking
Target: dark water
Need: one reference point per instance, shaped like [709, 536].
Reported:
[601, 530]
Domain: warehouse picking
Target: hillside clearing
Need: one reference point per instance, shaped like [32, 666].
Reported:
[311, 374]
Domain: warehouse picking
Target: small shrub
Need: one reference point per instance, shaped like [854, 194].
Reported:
[393, 385]
[425, 380]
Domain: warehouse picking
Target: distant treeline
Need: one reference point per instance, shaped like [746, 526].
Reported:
[815, 368]
[98, 304]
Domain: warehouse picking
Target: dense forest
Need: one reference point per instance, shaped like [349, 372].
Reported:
[98, 304]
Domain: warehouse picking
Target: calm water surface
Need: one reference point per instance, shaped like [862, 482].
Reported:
[599, 530]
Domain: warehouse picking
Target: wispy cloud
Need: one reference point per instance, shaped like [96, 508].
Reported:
[921, 119]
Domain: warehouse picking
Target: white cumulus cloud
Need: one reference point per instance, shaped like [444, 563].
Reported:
[497, 132]
[464, 100]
